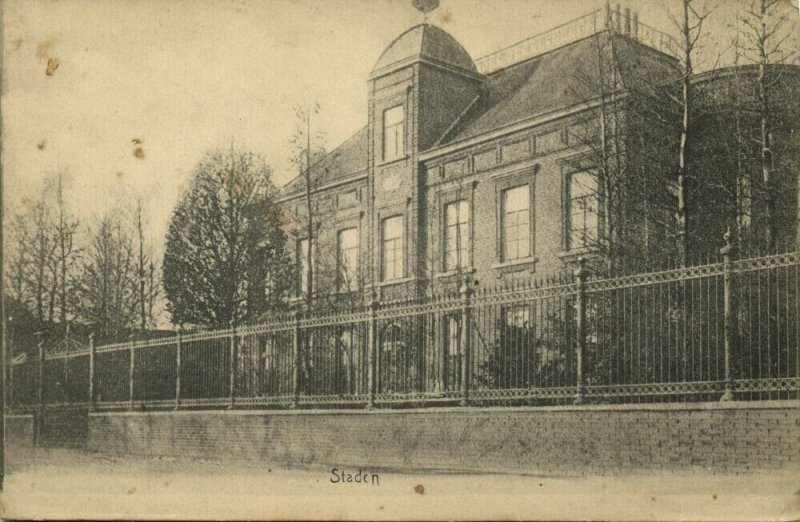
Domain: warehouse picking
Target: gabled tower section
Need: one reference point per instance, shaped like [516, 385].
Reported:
[418, 89]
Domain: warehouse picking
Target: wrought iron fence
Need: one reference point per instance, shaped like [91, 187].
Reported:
[723, 330]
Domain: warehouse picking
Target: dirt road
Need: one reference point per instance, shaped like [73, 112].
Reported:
[50, 483]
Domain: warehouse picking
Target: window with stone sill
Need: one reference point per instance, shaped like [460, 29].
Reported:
[392, 248]
[516, 225]
[457, 236]
[582, 211]
[347, 259]
[393, 133]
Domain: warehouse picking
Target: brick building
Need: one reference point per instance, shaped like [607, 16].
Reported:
[485, 169]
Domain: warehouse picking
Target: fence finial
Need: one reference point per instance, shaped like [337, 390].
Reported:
[729, 247]
[466, 287]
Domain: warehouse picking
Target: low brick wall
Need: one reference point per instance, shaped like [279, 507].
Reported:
[729, 437]
[65, 429]
[19, 430]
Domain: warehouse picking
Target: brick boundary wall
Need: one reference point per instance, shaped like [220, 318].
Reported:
[720, 437]
[65, 428]
[60, 429]
[19, 430]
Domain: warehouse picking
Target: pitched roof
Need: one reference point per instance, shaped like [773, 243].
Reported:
[540, 85]
[347, 159]
[424, 41]
[550, 82]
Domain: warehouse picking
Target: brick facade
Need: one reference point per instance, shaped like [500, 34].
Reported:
[468, 135]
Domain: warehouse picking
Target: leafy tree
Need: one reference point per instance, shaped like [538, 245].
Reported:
[225, 260]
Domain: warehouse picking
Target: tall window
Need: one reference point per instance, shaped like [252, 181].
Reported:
[392, 248]
[516, 223]
[347, 259]
[582, 212]
[302, 266]
[456, 235]
[393, 133]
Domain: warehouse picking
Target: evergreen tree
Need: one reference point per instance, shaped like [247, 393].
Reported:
[225, 260]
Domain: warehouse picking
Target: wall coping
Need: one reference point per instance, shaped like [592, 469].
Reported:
[793, 404]
[17, 415]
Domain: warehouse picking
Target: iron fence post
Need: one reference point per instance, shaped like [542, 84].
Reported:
[372, 352]
[232, 368]
[37, 433]
[92, 354]
[178, 347]
[466, 340]
[580, 326]
[728, 252]
[298, 360]
[131, 369]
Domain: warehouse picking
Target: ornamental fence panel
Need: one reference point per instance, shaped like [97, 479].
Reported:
[715, 331]
[524, 343]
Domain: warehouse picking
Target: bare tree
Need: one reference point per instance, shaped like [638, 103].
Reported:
[107, 295]
[598, 134]
[42, 264]
[148, 281]
[18, 258]
[690, 26]
[307, 149]
[621, 148]
[766, 27]
[65, 229]
[743, 183]
[42, 249]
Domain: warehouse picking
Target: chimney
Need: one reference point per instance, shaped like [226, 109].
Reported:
[627, 21]
[608, 16]
[635, 25]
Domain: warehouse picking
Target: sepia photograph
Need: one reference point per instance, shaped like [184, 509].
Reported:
[401, 259]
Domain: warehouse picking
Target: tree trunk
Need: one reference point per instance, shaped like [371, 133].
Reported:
[142, 310]
[40, 281]
[766, 152]
[51, 306]
[682, 214]
[309, 220]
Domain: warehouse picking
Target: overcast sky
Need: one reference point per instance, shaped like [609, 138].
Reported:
[186, 76]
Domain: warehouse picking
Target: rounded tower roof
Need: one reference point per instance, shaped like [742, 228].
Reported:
[428, 42]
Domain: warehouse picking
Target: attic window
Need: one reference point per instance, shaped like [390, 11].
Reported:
[393, 134]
